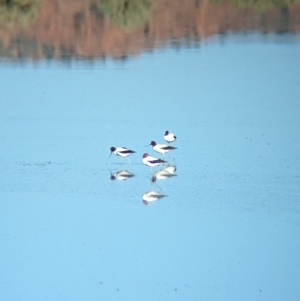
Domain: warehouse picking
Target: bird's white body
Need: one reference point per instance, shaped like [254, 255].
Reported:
[161, 148]
[122, 152]
[152, 196]
[152, 161]
[169, 137]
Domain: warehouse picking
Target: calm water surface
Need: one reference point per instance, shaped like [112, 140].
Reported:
[228, 226]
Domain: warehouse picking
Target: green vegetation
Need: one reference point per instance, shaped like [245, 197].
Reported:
[259, 5]
[22, 12]
[126, 14]
[263, 5]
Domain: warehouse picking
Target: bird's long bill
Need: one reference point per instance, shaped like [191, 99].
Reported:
[147, 145]
[110, 154]
[112, 177]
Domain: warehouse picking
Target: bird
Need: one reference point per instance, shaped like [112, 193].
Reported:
[169, 137]
[121, 175]
[161, 148]
[152, 161]
[152, 196]
[122, 152]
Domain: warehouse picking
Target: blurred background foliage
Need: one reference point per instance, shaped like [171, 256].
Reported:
[126, 14]
[260, 5]
[22, 12]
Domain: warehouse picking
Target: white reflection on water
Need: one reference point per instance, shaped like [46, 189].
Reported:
[152, 196]
[164, 173]
[229, 227]
[121, 175]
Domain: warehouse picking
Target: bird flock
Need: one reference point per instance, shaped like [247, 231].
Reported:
[163, 174]
[148, 160]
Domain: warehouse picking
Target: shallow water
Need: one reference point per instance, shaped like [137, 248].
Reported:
[227, 228]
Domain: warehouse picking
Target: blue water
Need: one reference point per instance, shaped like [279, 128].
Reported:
[228, 228]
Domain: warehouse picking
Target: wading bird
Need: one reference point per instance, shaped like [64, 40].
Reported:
[161, 148]
[169, 137]
[122, 152]
[152, 161]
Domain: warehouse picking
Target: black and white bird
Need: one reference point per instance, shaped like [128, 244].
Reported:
[161, 148]
[152, 161]
[123, 152]
[169, 137]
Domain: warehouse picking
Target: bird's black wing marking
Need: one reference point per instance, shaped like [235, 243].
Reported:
[168, 175]
[157, 161]
[158, 196]
[125, 174]
[128, 151]
[128, 176]
[169, 147]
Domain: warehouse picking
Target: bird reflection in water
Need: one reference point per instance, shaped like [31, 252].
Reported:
[152, 196]
[164, 173]
[171, 169]
[121, 175]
